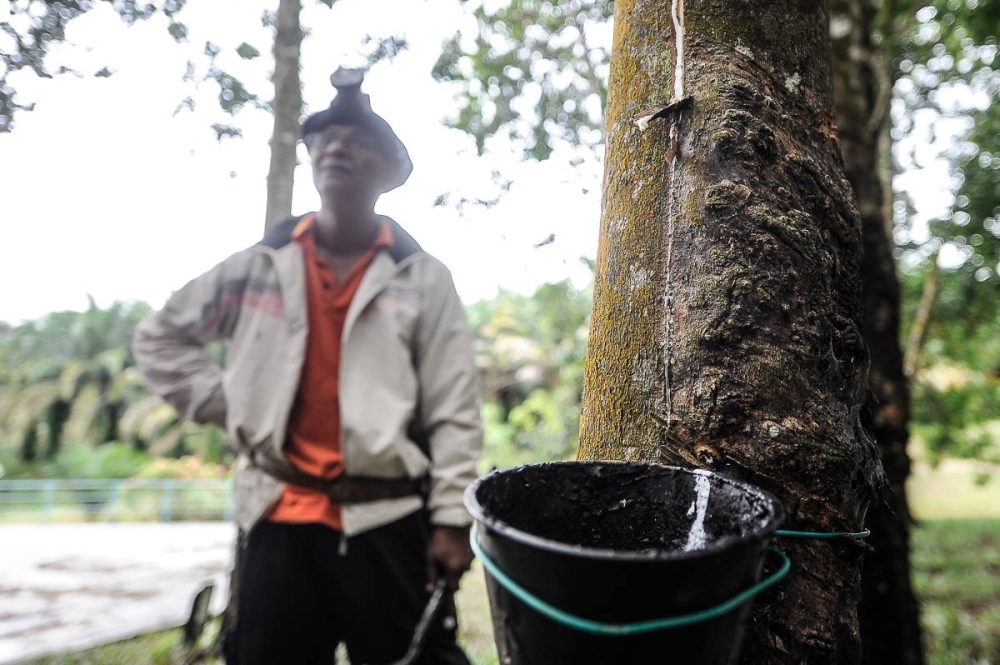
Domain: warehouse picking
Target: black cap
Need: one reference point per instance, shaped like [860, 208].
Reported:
[353, 107]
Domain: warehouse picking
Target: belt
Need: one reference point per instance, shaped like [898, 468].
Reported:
[343, 489]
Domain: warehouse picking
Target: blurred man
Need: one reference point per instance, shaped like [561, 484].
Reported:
[351, 394]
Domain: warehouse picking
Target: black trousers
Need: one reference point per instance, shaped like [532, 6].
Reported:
[301, 595]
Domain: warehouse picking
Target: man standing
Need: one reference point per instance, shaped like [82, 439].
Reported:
[351, 394]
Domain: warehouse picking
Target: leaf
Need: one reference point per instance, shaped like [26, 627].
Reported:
[329, 3]
[379, 49]
[547, 241]
[212, 50]
[522, 50]
[171, 7]
[226, 131]
[104, 72]
[268, 18]
[135, 416]
[189, 72]
[187, 103]
[178, 31]
[232, 94]
[247, 51]
[73, 378]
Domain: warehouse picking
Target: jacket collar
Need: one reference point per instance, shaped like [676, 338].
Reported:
[291, 271]
[403, 244]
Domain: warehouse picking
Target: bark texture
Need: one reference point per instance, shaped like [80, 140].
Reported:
[287, 109]
[890, 622]
[726, 332]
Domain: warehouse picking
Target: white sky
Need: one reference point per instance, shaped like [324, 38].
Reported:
[104, 191]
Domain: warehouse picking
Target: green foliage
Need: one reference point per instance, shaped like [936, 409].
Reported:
[533, 71]
[376, 49]
[963, 328]
[233, 95]
[247, 51]
[946, 63]
[35, 27]
[530, 350]
[542, 428]
[959, 419]
[178, 31]
[112, 460]
[955, 394]
[77, 460]
[66, 376]
[69, 378]
[223, 131]
[34, 34]
[41, 349]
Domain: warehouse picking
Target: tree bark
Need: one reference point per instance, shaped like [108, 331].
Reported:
[287, 110]
[727, 297]
[890, 621]
[922, 319]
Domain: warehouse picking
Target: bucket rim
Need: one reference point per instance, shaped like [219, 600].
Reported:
[499, 527]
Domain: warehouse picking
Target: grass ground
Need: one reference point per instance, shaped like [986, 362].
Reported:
[956, 573]
[956, 569]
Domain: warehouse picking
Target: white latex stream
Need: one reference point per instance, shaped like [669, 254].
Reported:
[696, 537]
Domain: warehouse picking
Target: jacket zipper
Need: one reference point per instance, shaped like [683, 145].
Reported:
[362, 304]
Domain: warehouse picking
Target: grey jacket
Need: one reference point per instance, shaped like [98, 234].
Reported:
[406, 359]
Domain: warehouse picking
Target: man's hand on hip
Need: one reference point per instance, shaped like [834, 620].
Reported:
[448, 554]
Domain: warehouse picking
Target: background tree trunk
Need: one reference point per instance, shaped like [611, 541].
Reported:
[922, 319]
[890, 622]
[727, 297]
[287, 110]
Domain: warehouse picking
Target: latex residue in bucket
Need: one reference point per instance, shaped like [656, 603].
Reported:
[651, 511]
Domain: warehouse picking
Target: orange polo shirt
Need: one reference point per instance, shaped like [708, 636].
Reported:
[313, 441]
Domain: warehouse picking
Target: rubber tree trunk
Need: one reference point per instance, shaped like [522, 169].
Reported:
[726, 332]
[890, 622]
[287, 109]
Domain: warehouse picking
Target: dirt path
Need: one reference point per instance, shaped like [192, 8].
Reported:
[66, 587]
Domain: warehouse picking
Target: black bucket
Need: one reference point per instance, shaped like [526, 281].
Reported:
[619, 543]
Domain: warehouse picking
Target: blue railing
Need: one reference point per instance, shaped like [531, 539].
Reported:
[126, 500]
